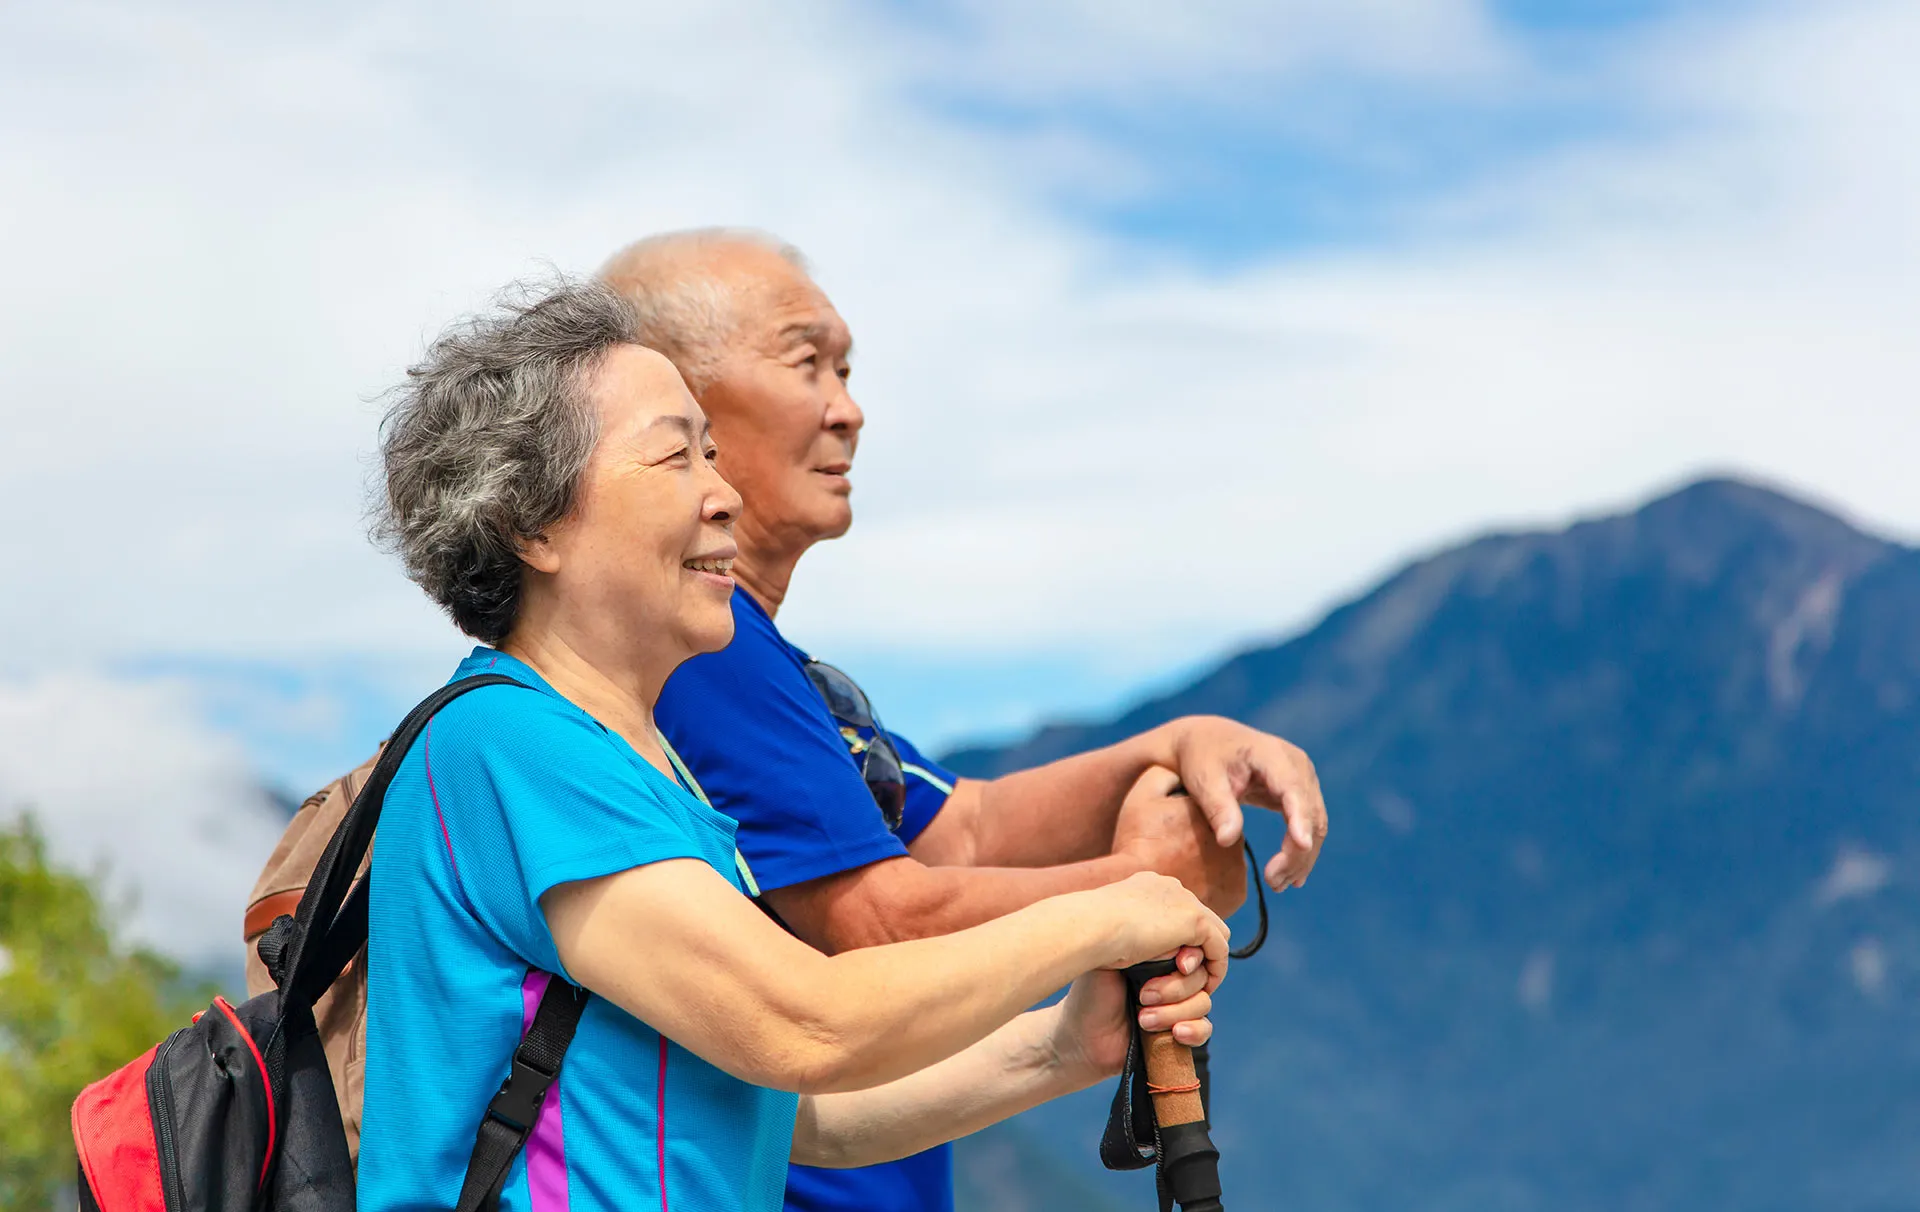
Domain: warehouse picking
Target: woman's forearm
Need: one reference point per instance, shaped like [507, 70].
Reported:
[899, 1008]
[1015, 1068]
[679, 948]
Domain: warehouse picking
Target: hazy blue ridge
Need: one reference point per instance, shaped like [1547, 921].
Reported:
[1006, 1168]
[1619, 909]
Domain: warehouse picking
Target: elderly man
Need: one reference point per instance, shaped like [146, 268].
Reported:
[854, 835]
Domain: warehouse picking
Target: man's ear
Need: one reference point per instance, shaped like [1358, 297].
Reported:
[537, 553]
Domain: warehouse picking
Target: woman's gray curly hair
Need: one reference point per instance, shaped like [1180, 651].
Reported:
[484, 444]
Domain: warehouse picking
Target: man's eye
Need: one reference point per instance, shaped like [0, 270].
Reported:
[713, 455]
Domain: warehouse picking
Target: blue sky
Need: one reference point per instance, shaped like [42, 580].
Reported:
[1286, 165]
[1177, 325]
[1291, 162]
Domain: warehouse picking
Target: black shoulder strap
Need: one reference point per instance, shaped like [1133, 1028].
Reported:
[510, 1116]
[323, 939]
[331, 926]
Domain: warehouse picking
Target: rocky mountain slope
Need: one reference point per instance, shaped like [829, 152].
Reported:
[1619, 909]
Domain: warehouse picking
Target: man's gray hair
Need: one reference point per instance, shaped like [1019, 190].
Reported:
[485, 443]
[681, 307]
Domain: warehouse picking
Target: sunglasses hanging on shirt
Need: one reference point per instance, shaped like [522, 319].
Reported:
[866, 739]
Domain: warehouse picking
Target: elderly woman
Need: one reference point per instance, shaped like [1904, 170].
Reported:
[551, 484]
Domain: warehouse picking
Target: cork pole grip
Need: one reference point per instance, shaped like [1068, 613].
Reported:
[1170, 1069]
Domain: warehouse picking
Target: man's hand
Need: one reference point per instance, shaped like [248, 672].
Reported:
[1165, 831]
[1223, 764]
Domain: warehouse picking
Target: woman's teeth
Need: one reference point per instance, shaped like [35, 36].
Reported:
[722, 567]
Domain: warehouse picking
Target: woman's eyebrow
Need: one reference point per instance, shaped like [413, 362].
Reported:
[675, 421]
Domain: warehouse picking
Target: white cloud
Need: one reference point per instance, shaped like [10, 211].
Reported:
[1867, 962]
[1139, 54]
[1855, 873]
[226, 226]
[125, 782]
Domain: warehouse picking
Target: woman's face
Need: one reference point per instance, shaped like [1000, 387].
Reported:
[645, 560]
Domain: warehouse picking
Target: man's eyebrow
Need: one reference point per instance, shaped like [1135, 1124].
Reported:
[810, 330]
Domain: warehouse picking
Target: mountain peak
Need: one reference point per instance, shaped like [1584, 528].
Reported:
[1723, 507]
[1722, 578]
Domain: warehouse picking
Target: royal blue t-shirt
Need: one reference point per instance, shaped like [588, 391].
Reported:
[507, 793]
[757, 737]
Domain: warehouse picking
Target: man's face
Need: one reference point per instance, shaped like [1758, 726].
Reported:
[782, 418]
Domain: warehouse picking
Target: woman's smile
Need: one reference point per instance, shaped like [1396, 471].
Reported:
[715, 568]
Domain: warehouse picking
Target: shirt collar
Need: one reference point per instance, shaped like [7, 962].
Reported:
[491, 660]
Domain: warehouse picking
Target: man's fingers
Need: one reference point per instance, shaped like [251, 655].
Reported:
[1194, 1033]
[1296, 792]
[1300, 826]
[1290, 867]
[1279, 868]
[1211, 789]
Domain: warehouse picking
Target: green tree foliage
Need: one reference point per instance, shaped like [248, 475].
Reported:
[74, 1005]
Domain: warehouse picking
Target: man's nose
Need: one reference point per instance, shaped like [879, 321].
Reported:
[843, 415]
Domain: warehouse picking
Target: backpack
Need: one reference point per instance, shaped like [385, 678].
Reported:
[237, 1111]
[341, 1012]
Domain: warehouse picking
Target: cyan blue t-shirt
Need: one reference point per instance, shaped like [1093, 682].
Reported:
[756, 736]
[509, 792]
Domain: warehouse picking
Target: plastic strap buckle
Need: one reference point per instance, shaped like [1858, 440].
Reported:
[518, 1103]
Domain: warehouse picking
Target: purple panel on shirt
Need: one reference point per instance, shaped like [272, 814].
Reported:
[547, 1147]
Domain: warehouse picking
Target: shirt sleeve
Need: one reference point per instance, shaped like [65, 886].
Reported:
[759, 741]
[928, 786]
[531, 794]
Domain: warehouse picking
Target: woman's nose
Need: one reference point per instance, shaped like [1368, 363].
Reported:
[724, 502]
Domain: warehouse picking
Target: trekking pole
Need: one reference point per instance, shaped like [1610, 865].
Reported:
[1189, 1169]
[1159, 1112]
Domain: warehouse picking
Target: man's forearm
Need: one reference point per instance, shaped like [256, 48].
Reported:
[1015, 1068]
[1061, 812]
[899, 899]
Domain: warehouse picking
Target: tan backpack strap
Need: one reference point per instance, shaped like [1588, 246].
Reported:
[261, 913]
[285, 876]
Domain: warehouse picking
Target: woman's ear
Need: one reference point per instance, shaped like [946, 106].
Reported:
[537, 553]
